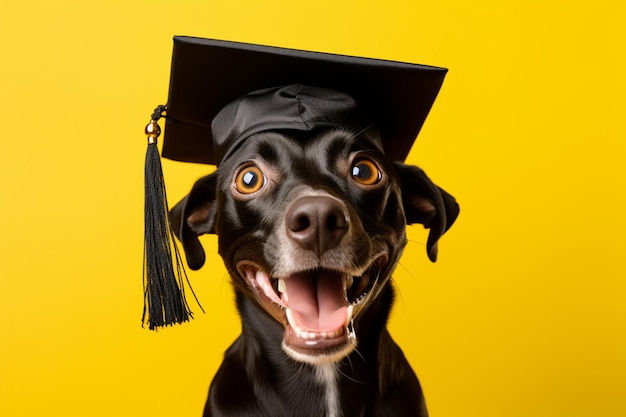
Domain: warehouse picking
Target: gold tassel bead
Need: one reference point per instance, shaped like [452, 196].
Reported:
[153, 131]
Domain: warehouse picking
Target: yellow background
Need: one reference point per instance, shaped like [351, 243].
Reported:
[522, 316]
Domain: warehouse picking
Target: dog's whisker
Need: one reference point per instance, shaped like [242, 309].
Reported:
[372, 287]
[416, 242]
[297, 372]
[413, 277]
[408, 271]
[349, 362]
[356, 134]
[399, 295]
[348, 377]
[356, 350]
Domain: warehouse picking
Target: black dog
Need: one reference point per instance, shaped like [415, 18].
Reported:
[311, 227]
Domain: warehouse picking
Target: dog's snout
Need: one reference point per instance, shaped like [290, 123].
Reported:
[317, 223]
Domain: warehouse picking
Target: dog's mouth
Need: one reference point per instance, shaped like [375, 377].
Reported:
[316, 307]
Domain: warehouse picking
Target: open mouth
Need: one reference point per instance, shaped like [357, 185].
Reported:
[316, 307]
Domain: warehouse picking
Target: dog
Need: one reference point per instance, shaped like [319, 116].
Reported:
[310, 226]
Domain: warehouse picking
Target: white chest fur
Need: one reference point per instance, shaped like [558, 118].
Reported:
[326, 375]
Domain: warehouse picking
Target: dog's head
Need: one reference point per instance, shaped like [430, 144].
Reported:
[310, 227]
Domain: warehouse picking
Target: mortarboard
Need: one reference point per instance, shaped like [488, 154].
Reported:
[222, 92]
[208, 74]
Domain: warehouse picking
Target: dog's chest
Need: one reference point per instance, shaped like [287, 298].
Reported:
[326, 376]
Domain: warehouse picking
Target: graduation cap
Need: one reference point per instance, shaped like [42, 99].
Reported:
[223, 92]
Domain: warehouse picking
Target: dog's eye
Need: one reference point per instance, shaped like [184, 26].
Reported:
[249, 179]
[366, 172]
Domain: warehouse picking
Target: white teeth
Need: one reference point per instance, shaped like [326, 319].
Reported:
[359, 299]
[349, 315]
[282, 288]
[351, 332]
[306, 335]
[291, 320]
[316, 336]
[261, 281]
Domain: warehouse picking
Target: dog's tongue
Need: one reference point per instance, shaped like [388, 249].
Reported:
[317, 300]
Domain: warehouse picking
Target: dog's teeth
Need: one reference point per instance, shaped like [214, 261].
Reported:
[330, 335]
[282, 288]
[351, 332]
[313, 337]
[359, 299]
[349, 314]
[290, 319]
[303, 334]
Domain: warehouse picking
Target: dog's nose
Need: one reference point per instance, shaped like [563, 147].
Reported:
[317, 223]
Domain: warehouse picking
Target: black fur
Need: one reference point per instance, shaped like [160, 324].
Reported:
[257, 376]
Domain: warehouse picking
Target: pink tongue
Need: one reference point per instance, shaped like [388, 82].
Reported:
[317, 301]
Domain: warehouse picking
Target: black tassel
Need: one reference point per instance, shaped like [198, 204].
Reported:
[164, 274]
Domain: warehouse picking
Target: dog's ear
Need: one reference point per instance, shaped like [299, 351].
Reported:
[426, 203]
[193, 216]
